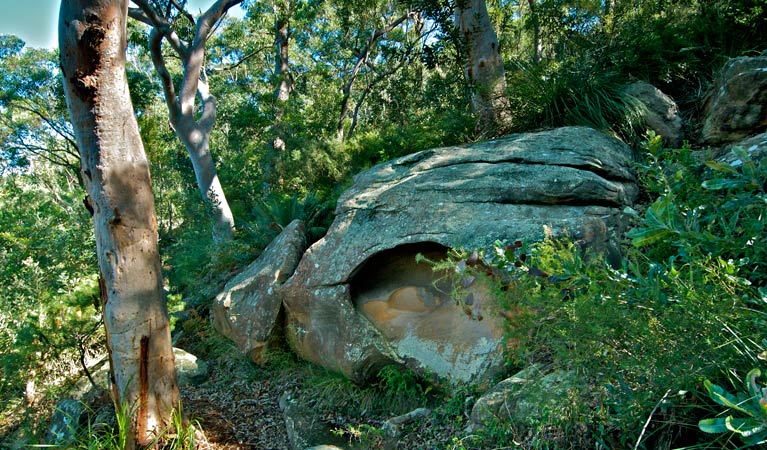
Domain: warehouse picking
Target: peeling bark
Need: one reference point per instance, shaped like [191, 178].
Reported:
[92, 42]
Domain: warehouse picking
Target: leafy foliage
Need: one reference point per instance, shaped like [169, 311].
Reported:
[753, 404]
[720, 218]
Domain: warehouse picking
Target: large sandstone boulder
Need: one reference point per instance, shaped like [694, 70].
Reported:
[737, 105]
[358, 300]
[662, 113]
[247, 310]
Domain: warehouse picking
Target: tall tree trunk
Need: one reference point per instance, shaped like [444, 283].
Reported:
[273, 172]
[483, 66]
[92, 41]
[535, 23]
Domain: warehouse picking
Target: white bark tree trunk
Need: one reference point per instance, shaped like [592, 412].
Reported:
[92, 42]
[193, 133]
[483, 66]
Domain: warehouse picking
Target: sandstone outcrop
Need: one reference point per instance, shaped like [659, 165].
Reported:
[358, 300]
[662, 113]
[737, 105]
[247, 310]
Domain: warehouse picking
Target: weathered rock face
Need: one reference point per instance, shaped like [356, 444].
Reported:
[247, 310]
[411, 306]
[357, 300]
[527, 397]
[755, 148]
[737, 106]
[662, 112]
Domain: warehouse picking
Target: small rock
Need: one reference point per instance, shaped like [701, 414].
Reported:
[523, 398]
[662, 113]
[189, 368]
[392, 426]
[65, 422]
[304, 428]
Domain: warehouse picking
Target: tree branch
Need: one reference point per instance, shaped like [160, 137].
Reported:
[241, 60]
[148, 15]
[196, 57]
[155, 48]
[361, 60]
[183, 12]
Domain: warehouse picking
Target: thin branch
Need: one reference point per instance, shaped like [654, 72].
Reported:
[138, 14]
[183, 12]
[155, 48]
[241, 60]
[649, 419]
[361, 61]
[48, 121]
[148, 15]
[369, 88]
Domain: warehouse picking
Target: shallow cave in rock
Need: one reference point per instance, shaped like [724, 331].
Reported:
[413, 308]
[384, 276]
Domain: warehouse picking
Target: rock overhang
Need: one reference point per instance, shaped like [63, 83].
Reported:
[572, 181]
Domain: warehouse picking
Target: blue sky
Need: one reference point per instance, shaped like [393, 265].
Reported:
[35, 21]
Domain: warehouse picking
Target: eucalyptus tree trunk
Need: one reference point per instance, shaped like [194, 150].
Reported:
[535, 24]
[92, 42]
[483, 66]
[273, 171]
[194, 133]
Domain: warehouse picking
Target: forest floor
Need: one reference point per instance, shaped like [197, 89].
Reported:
[237, 414]
[238, 407]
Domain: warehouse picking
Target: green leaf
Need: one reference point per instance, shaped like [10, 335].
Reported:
[717, 184]
[744, 427]
[757, 439]
[721, 167]
[751, 386]
[645, 236]
[723, 398]
[716, 425]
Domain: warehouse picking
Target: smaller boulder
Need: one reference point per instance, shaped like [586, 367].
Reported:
[65, 422]
[247, 310]
[755, 148]
[392, 428]
[190, 370]
[662, 113]
[736, 107]
[527, 397]
[304, 428]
